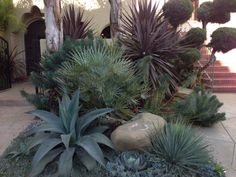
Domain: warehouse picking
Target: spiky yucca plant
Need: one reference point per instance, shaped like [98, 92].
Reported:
[104, 76]
[67, 137]
[200, 107]
[181, 148]
[144, 33]
[73, 24]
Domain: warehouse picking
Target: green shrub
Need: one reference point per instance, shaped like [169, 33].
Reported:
[155, 101]
[104, 76]
[38, 100]
[227, 5]
[223, 39]
[67, 137]
[191, 56]
[195, 37]
[8, 17]
[209, 13]
[200, 107]
[50, 63]
[178, 11]
[182, 149]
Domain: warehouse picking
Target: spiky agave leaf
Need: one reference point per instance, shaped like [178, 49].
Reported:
[67, 136]
[73, 24]
[146, 33]
[180, 147]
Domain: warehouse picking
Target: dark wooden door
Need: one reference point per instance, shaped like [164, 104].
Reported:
[5, 72]
[35, 32]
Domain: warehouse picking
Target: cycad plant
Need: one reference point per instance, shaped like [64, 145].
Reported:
[104, 76]
[146, 35]
[68, 137]
[182, 149]
[73, 24]
[200, 107]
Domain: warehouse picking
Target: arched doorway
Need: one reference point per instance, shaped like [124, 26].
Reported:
[106, 32]
[35, 32]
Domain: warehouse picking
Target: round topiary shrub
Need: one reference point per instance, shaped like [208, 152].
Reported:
[227, 5]
[191, 56]
[194, 38]
[178, 11]
[208, 12]
[223, 39]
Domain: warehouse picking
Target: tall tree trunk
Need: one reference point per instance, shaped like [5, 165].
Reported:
[115, 16]
[54, 25]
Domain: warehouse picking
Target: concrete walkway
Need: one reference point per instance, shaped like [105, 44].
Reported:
[221, 137]
[13, 117]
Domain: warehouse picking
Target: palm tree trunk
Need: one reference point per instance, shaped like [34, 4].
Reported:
[54, 25]
[115, 16]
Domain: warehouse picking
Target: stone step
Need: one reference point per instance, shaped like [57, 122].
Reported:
[225, 89]
[203, 62]
[220, 81]
[218, 75]
[218, 69]
[14, 103]
[222, 89]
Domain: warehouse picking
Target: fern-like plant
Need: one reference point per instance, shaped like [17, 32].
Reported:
[73, 24]
[104, 76]
[68, 137]
[181, 148]
[200, 107]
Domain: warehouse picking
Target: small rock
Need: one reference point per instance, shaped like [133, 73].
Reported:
[134, 135]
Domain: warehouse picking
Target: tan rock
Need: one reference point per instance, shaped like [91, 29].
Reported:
[134, 135]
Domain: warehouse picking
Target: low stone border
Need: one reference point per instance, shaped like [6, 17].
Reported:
[14, 103]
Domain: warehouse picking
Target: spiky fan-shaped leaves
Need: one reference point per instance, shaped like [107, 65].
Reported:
[68, 137]
[73, 24]
[144, 33]
[180, 147]
[103, 75]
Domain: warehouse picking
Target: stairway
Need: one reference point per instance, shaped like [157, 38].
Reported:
[224, 80]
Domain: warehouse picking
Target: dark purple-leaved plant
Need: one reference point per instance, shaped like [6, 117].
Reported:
[73, 24]
[146, 34]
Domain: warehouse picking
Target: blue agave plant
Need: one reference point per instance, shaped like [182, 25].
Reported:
[67, 136]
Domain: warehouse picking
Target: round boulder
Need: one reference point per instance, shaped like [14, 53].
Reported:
[134, 135]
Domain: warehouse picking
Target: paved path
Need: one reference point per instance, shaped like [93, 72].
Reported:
[221, 137]
[13, 117]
